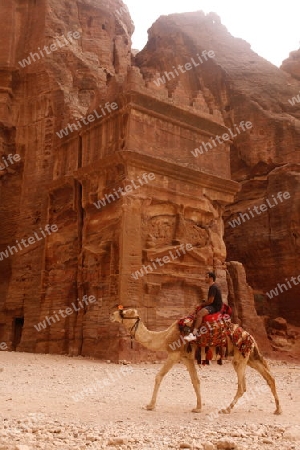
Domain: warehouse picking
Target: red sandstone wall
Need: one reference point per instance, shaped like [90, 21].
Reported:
[242, 86]
[57, 180]
[35, 102]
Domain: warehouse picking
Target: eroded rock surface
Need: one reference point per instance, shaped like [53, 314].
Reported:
[108, 250]
[241, 86]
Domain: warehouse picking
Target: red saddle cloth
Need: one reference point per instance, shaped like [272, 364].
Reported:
[214, 329]
[213, 334]
[225, 313]
[242, 340]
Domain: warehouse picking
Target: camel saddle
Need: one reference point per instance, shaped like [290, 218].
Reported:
[214, 327]
[212, 333]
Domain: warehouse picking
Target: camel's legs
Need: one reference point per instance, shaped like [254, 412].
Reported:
[257, 362]
[190, 365]
[172, 359]
[239, 364]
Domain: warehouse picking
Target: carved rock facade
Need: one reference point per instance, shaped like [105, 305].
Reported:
[175, 217]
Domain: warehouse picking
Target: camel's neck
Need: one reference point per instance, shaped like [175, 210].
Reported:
[153, 340]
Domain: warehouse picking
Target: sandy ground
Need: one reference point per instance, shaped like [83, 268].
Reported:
[50, 401]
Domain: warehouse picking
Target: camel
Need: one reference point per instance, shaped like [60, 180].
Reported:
[164, 341]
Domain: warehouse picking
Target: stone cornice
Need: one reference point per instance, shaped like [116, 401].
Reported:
[162, 167]
[194, 121]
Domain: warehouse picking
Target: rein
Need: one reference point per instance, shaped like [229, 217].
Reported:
[134, 328]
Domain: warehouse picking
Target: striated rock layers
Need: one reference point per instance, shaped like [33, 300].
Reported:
[88, 131]
[242, 86]
[55, 87]
[291, 65]
[241, 299]
[107, 159]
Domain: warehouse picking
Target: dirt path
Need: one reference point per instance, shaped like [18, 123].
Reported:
[52, 402]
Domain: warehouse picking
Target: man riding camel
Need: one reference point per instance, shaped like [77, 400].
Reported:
[214, 304]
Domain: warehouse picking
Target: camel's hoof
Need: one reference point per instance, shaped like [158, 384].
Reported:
[225, 411]
[150, 407]
[196, 410]
[278, 411]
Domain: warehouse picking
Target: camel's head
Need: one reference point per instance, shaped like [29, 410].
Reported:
[124, 315]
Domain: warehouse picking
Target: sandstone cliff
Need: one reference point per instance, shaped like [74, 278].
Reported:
[155, 129]
[244, 87]
[291, 65]
[36, 100]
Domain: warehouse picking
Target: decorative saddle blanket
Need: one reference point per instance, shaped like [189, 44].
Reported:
[241, 339]
[213, 331]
